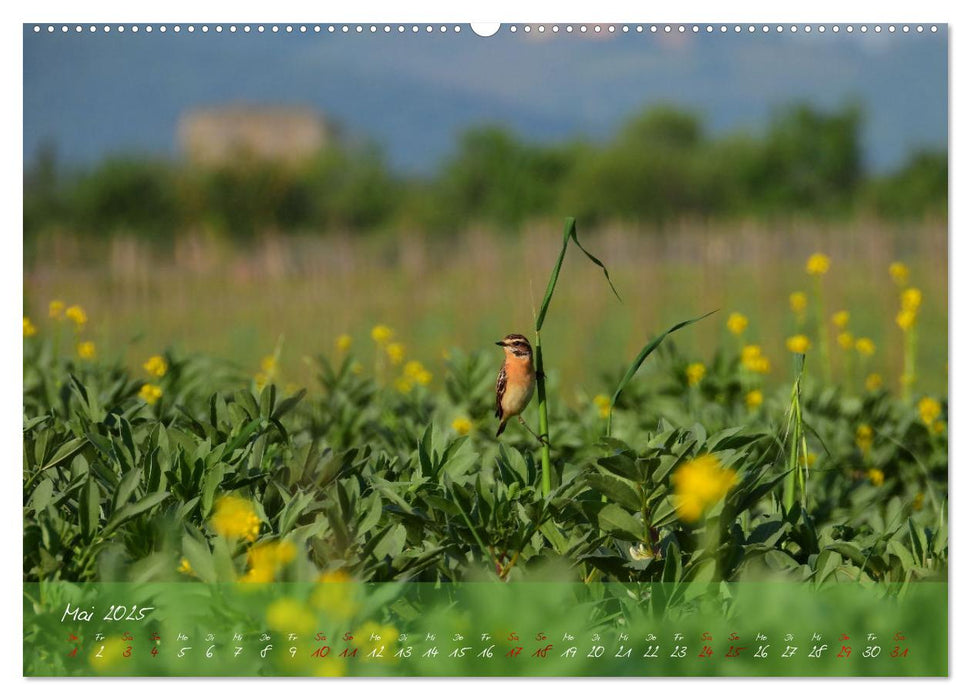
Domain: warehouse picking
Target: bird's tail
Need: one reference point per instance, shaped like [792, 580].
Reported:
[502, 426]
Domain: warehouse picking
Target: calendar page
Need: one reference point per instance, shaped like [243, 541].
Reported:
[613, 349]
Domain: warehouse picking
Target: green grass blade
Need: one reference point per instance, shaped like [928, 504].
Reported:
[645, 353]
[569, 233]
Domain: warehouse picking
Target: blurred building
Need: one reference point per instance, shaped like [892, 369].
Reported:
[224, 134]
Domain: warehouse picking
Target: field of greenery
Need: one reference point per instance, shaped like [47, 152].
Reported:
[728, 465]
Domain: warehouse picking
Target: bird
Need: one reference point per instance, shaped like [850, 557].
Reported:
[516, 381]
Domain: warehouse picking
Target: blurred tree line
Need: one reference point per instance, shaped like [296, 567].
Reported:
[660, 165]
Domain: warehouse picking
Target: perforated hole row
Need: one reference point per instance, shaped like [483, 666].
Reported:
[456, 29]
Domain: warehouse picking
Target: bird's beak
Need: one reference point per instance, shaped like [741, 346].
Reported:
[499, 342]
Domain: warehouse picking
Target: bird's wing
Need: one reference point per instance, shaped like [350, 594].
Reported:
[500, 389]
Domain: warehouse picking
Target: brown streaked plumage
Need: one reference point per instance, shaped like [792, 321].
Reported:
[516, 380]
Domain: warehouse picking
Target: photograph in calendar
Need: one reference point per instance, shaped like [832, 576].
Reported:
[322, 323]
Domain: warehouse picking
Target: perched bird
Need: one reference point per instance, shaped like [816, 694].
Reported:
[516, 380]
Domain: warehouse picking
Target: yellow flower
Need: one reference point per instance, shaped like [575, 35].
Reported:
[695, 372]
[808, 459]
[185, 567]
[396, 353]
[905, 319]
[700, 484]
[266, 559]
[910, 299]
[873, 382]
[798, 302]
[415, 372]
[918, 503]
[235, 517]
[737, 323]
[56, 309]
[753, 399]
[150, 393]
[818, 264]
[753, 360]
[86, 350]
[403, 385]
[845, 340]
[76, 314]
[156, 366]
[865, 347]
[841, 319]
[602, 402]
[343, 342]
[372, 635]
[381, 334]
[334, 595]
[288, 615]
[268, 365]
[938, 427]
[108, 654]
[29, 328]
[929, 409]
[798, 344]
[900, 273]
[876, 476]
[864, 438]
[260, 380]
[462, 425]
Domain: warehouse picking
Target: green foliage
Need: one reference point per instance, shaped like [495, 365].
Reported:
[367, 480]
[660, 165]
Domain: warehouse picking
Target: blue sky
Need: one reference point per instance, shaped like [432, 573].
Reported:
[96, 94]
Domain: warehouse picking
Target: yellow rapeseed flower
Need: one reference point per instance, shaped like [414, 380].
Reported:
[424, 377]
[798, 302]
[910, 299]
[798, 344]
[86, 350]
[602, 402]
[873, 382]
[396, 353]
[900, 273]
[875, 476]
[381, 334]
[905, 319]
[266, 559]
[865, 347]
[56, 310]
[76, 313]
[864, 438]
[462, 425]
[150, 393]
[818, 264]
[156, 366]
[29, 328]
[845, 340]
[343, 342]
[841, 319]
[737, 323]
[929, 410]
[700, 484]
[403, 385]
[753, 399]
[695, 372]
[235, 517]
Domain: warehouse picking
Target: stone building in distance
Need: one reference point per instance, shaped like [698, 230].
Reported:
[222, 135]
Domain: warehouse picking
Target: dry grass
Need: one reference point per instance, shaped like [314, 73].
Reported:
[202, 294]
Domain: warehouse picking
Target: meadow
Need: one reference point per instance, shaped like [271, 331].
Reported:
[321, 409]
